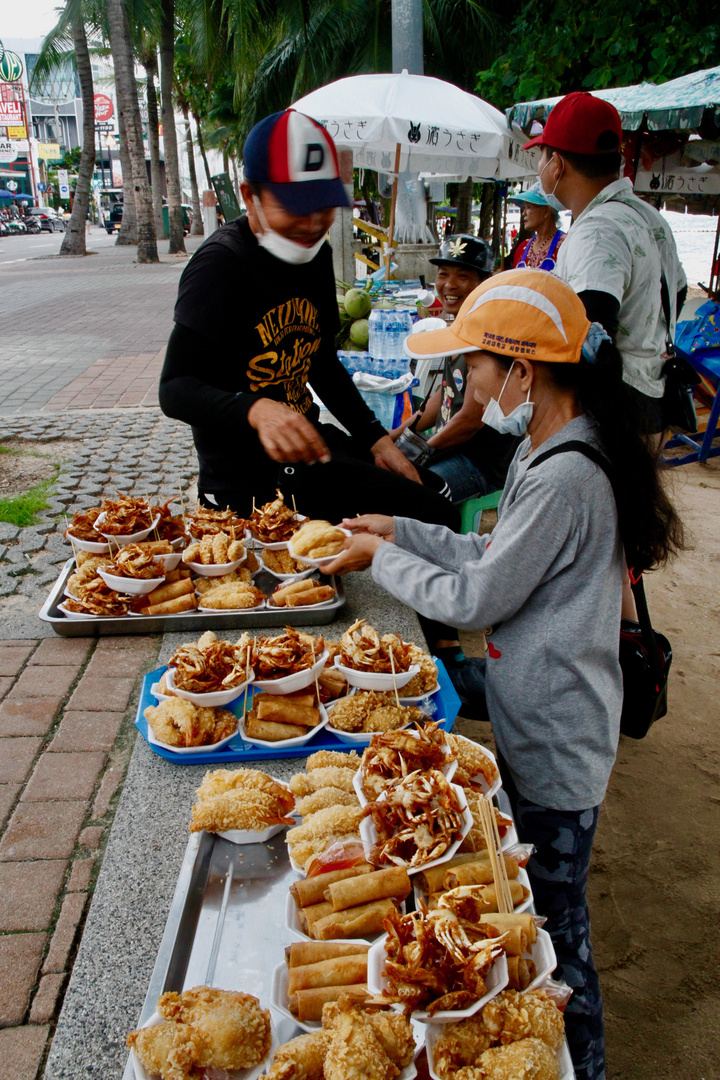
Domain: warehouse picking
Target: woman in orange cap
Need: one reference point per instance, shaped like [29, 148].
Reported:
[548, 579]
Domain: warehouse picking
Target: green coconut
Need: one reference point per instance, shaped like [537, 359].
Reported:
[357, 303]
[360, 333]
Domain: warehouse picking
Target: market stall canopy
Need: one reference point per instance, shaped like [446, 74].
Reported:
[439, 128]
[677, 105]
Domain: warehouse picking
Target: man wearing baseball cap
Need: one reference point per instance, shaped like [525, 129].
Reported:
[618, 248]
[255, 324]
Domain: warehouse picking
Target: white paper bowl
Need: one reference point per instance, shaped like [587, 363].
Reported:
[169, 562]
[434, 1031]
[215, 569]
[376, 680]
[317, 562]
[488, 791]
[448, 772]
[297, 576]
[368, 835]
[497, 980]
[120, 540]
[299, 680]
[299, 741]
[216, 698]
[241, 1074]
[130, 586]
[206, 748]
[77, 616]
[91, 546]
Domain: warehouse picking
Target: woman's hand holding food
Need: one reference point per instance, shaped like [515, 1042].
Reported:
[378, 524]
[285, 434]
[358, 554]
[387, 456]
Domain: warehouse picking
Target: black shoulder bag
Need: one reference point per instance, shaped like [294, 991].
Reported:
[645, 654]
[680, 378]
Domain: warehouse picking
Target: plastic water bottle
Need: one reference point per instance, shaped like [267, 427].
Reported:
[376, 344]
[399, 328]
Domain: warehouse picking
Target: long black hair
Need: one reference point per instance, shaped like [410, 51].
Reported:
[650, 528]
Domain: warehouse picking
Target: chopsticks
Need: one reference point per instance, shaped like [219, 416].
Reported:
[497, 862]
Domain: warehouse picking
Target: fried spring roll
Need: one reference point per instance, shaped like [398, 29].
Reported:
[156, 547]
[311, 915]
[271, 732]
[477, 873]
[431, 880]
[486, 897]
[287, 713]
[381, 885]
[172, 576]
[355, 922]
[520, 920]
[312, 890]
[338, 971]
[301, 953]
[521, 972]
[307, 1004]
[170, 592]
[172, 607]
[312, 596]
[280, 595]
[300, 697]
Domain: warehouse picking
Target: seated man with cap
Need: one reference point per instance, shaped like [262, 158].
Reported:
[472, 458]
[255, 324]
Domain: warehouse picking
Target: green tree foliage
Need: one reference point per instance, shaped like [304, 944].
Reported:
[556, 46]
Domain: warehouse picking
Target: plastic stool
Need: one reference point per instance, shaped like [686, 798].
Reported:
[471, 510]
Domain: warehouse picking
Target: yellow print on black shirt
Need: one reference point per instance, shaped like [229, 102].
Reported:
[290, 333]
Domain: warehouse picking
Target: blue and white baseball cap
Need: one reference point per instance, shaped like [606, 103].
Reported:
[292, 155]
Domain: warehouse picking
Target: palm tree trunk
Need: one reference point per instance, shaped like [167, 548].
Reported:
[127, 236]
[150, 65]
[463, 220]
[172, 164]
[197, 224]
[129, 109]
[201, 146]
[73, 242]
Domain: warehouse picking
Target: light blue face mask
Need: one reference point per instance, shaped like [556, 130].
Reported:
[516, 422]
[551, 197]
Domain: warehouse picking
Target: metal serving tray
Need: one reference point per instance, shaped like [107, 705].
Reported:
[445, 701]
[197, 621]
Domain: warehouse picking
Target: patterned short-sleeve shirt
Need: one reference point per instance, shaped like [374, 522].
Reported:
[618, 245]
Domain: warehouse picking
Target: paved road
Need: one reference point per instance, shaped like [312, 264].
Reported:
[82, 332]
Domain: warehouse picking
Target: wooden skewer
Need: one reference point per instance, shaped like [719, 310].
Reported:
[392, 665]
[497, 862]
[247, 684]
[294, 504]
[317, 684]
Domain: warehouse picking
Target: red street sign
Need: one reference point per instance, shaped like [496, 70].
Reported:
[103, 107]
[11, 114]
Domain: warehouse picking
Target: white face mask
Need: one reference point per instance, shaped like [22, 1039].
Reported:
[516, 422]
[282, 248]
[551, 197]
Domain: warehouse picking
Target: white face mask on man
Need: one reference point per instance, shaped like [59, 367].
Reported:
[551, 197]
[287, 250]
[516, 422]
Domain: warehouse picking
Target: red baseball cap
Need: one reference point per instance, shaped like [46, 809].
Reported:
[292, 155]
[581, 124]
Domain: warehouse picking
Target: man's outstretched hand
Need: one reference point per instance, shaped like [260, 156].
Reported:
[387, 456]
[285, 434]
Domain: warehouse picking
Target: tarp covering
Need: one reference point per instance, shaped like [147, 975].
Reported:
[676, 105]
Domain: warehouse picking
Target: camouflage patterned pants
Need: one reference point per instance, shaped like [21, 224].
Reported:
[558, 872]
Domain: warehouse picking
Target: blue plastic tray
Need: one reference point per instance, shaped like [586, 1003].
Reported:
[445, 701]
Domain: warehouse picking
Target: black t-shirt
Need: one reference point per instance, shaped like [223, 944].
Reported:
[490, 451]
[250, 326]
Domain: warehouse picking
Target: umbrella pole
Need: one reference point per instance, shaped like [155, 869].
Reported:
[393, 201]
[712, 291]
[504, 230]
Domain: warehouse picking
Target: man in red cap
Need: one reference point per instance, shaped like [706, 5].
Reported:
[618, 249]
[255, 325]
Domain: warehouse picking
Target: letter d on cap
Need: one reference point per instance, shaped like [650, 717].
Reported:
[314, 157]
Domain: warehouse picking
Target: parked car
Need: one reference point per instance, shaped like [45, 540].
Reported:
[50, 220]
[113, 219]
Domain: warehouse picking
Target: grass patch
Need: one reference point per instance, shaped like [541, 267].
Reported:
[8, 450]
[22, 509]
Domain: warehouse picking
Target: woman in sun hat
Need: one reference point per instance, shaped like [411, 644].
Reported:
[548, 579]
[542, 221]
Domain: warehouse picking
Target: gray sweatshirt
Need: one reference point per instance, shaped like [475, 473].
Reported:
[548, 579]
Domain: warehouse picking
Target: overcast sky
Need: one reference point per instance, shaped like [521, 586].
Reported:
[28, 18]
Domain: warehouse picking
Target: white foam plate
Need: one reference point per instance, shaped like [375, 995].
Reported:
[206, 748]
[215, 569]
[287, 578]
[249, 836]
[279, 994]
[292, 922]
[303, 607]
[368, 835]
[487, 790]
[91, 546]
[544, 958]
[169, 562]
[316, 562]
[216, 698]
[130, 586]
[376, 680]
[276, 545]
[423, 699]
[158, 694]
[434, 1032]
[221, 611]
[299, 741]
[299, 680]
[522, 878]
[77, 615]
[448, 772]
[239, 1074]
[497, 979]
[121, 540]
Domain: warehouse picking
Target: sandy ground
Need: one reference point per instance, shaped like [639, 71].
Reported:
[654, 881]
[24, 463]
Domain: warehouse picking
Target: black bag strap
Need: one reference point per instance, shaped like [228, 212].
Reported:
[636, 583]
